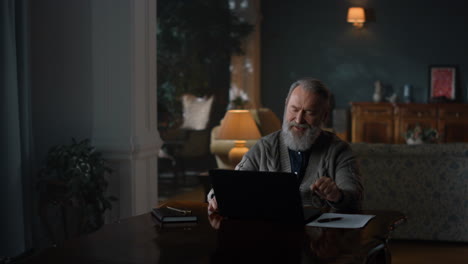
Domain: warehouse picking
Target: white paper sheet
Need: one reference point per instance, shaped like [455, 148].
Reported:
[346, 220]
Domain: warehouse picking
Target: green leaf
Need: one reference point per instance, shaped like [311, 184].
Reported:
[82, 169]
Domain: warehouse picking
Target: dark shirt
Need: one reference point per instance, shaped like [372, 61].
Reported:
[299, 161]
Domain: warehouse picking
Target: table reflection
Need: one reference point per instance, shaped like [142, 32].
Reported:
[211, 239]
[258, 242]
[266, 242]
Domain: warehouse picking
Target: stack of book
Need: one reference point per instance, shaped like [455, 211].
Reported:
[169, 214]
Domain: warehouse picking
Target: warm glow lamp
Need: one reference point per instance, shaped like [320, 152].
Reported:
[356, 16]
[240, 126]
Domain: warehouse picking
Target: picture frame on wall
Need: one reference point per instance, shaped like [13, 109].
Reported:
[442, 83]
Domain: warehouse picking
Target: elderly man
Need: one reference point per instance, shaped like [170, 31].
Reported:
[324, 165]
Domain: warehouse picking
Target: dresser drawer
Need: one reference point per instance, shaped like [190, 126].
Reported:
[454, 112]
[418, 112]
[373, 111]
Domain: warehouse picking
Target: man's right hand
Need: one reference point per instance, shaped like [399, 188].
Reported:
[212, 204]
[215, 220]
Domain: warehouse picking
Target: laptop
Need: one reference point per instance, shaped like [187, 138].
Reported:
[260, 195]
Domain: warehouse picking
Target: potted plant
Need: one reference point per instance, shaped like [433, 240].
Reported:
[238, 98]
[196, 39]
[418, 135]
[74, 175]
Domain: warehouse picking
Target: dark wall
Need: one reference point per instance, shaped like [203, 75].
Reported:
[61, 73]
[312, 38]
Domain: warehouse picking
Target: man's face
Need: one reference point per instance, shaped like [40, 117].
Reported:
[304, 107]
[304, 113]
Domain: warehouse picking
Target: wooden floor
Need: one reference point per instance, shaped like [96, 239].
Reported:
[426, 252]
[403, 251]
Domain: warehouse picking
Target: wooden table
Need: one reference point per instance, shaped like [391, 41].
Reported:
[140, 240]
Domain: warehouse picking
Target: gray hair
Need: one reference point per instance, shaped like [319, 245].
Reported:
[314, 86]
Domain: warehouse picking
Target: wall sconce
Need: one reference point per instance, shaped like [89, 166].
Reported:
[356, 16]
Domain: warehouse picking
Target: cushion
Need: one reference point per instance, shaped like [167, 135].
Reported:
[196, 111]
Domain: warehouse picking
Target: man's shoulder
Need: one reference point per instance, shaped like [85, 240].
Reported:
[272, 136]
[336, 146]
[331, 140]
[263, 154]
[269, 141]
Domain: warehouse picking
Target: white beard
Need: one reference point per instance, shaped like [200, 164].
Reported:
[299, 141]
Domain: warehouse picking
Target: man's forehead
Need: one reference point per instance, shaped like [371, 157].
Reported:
[314, 99]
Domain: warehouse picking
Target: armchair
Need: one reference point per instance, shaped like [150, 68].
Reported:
[267, 123]
[187, 147]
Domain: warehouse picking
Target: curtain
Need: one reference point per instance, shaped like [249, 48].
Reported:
[15, 130]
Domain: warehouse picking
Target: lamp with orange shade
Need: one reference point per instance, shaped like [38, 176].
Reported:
[356, 15]
[240, 126]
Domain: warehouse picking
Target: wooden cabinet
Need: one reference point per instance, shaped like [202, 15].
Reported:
[387, 123]
[453, 123]
[372, 123]
[407, 116]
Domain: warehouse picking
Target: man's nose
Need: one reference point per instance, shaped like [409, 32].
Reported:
[300, 117]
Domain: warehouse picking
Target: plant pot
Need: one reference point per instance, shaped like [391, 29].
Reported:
[412, 141]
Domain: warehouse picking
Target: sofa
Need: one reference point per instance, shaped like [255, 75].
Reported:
[428, 183]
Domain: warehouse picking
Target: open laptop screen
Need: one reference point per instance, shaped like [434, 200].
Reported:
[257, 195]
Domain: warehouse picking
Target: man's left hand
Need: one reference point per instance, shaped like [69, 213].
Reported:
[326, 188]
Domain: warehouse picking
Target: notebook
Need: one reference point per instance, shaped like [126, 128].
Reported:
[172, 215]
[260, 195]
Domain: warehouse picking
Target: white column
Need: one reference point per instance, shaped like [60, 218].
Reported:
[125, 110]
[245, 70]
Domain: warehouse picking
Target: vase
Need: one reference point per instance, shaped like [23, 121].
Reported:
[377, 97]
[412, 141]
[378, 91]
[407, 93]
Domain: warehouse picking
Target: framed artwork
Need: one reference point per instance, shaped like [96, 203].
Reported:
[442, 82]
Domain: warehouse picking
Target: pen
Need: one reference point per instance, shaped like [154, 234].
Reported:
[179, 210]
[325, 220]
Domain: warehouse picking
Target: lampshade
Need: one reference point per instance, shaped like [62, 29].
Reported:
[356, 16]
[238, 125]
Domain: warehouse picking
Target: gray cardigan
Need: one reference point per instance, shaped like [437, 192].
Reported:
[329, 156]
